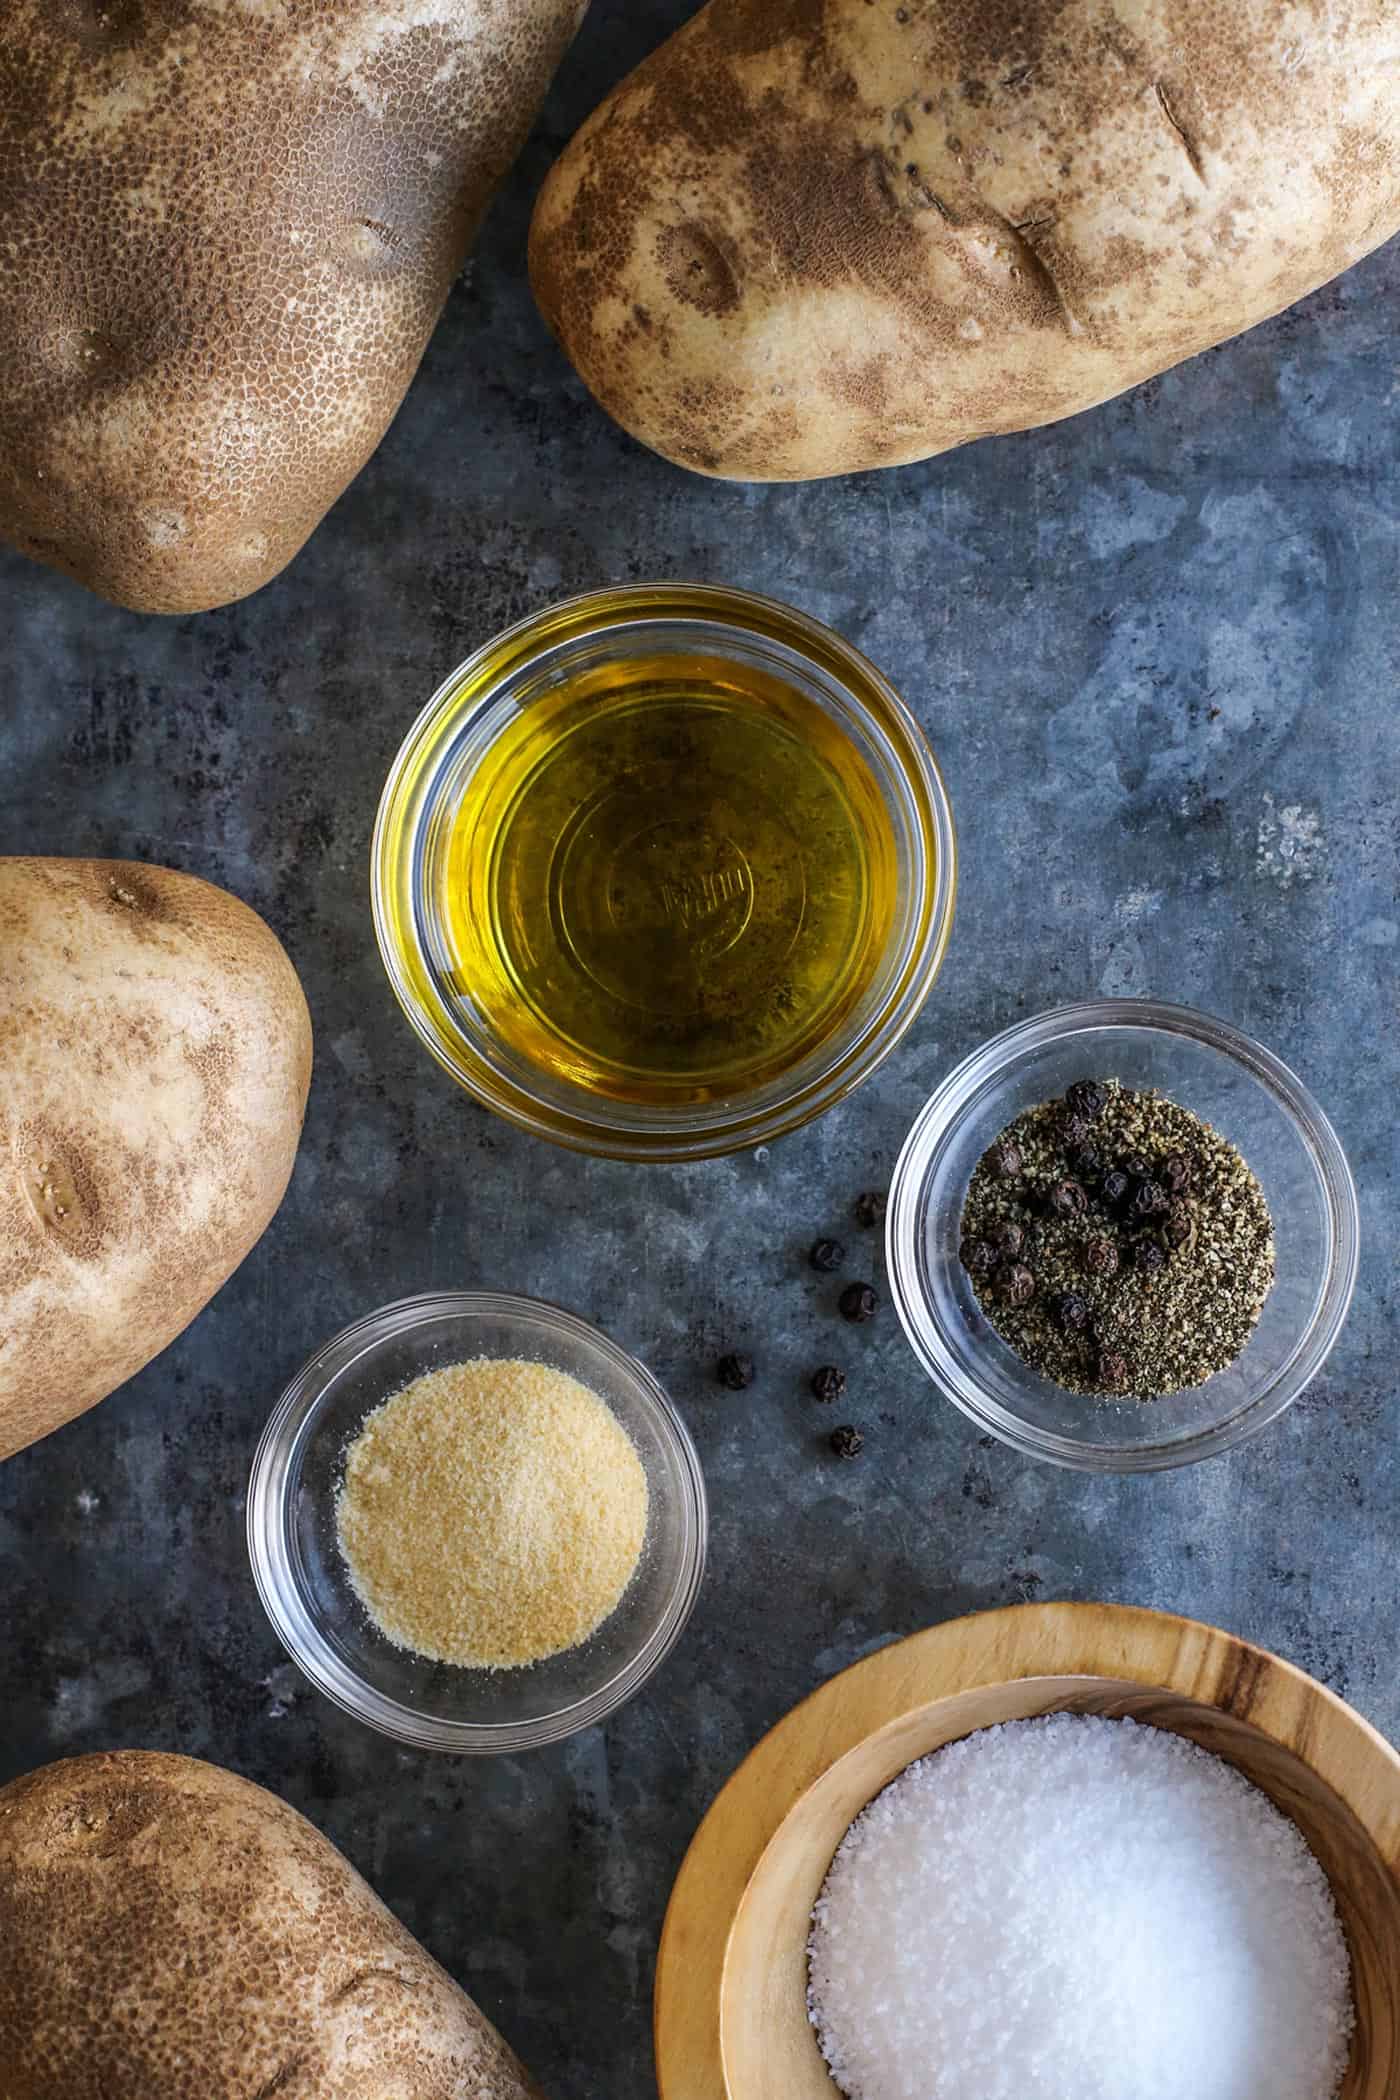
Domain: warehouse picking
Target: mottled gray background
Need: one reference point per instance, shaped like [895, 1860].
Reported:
[1155, 649]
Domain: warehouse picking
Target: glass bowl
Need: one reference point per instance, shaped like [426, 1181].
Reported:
[443, 754]
[306, 1590]
[1231, 1082]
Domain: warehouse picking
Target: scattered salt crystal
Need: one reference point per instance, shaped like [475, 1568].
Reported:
[1075, 1908]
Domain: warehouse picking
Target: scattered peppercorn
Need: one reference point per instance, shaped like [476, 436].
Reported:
[1016, 1283]
[1087, 1098]
[1149, 1255]
[1071, 1311]
[1067, 1199]
[826, 1256]
[828, 1383]
[1006, 1161]
[978, 1257]
[735, 1371]
[869, 1208]
[1100, 1256]
[1008, 1237]
[847, 1441]
[858, 1302]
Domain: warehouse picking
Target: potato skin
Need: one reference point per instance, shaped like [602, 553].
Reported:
[155, 1055]
[229, 228]
[172, 1932]
[808, 237]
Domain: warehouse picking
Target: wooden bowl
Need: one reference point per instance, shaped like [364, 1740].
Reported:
[731, 2019]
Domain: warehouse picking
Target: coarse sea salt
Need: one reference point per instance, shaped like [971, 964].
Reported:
[1079, 1909]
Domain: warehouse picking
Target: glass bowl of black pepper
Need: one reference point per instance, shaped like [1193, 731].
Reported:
[1234, 1085]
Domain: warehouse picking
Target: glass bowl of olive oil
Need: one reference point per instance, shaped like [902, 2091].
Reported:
[663, 871]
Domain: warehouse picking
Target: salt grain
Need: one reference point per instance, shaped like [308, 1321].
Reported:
[1078, 1909]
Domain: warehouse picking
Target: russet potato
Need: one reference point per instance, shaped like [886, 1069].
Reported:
[811, 236]
[155, 1055]
[172, 1932]
[228, 229]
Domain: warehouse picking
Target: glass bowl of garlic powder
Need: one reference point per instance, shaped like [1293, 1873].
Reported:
[476, 1523]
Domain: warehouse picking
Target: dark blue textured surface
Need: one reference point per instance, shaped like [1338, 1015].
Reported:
[1156, 650]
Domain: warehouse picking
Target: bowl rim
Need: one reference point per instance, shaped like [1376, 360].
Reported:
[1017, 1643]
[726, 1126]
[959, 1091]
[268, 1529]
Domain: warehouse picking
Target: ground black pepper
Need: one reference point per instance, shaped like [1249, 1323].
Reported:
[1140, 1279]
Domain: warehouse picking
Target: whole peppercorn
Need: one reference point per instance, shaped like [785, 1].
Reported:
[1176, 1172]
[1016, 1283]
[1006, 1161]
[1067, 1199]
[1008, 1237]
[735, 1371]
[978, 1257]
[858, 1302]
[1072, 1131]
[1100, 1256]
[826, 1256]
[1070, 1311]
[1115, 1188]
[1086, 1161]
[869, 1208]
[1149, 1255]
[1149, 1199]
[828, 1383]
[1136, 1167]
[1113, 1371]
[847, 1441]
[1177, 1227]
[1087, 1098]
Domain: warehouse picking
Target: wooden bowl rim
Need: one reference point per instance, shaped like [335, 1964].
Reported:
[1160, 1651]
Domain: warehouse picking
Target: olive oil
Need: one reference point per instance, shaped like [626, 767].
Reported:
[669, 880]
